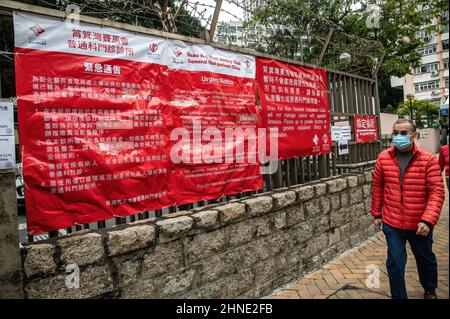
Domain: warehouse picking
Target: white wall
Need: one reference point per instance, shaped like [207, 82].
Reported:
[387, 121]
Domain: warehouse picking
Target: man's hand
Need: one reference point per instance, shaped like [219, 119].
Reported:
[423, 229]
[377, 222]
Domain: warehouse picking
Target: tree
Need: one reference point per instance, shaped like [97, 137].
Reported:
[423, 112]
[157, 14]
[371, 31]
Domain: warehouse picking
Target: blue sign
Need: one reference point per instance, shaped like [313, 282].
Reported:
[444, 108]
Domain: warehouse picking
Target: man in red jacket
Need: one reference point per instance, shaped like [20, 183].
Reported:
[407, 198]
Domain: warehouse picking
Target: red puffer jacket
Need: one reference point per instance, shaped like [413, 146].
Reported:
[419, 198]
[443, 159]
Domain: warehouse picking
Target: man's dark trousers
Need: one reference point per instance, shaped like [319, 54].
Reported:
[421, 247]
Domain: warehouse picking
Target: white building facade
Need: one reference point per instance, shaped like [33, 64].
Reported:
[430, 80]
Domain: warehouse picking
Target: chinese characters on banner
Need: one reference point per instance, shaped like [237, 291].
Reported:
[102, 110]
[295, 100]
[204, 100]
[366, 129]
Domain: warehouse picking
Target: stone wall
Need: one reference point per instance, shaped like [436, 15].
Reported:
[10, 273]
[242, 249]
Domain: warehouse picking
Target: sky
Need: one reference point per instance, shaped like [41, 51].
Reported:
[224, 16]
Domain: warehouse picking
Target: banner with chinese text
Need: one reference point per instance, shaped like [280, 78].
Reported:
[366, 128]
[103, 112]
[295, 100]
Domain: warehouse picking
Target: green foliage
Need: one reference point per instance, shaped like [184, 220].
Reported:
[423, 112]
[301, 27]
[389, 109]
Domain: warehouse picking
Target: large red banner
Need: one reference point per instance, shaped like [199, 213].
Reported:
[366, 128]
[295, 101]
[113, 123]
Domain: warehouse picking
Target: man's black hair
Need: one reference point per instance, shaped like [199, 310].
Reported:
[411, 122]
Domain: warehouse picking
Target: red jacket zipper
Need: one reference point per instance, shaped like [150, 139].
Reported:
[400, 181]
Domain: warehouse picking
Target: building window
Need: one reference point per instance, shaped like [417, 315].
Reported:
[426, 50]
[445, 64]
[427, 86]
[445, 44]
[426, 68]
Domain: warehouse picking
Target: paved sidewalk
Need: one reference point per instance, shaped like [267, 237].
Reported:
[345, 277]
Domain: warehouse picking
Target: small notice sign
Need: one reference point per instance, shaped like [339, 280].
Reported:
[7, 152]
[6, 118]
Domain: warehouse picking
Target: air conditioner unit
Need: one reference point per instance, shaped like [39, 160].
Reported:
[434, 92]
[434, 73]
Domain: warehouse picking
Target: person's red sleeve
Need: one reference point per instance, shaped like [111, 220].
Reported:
[436, 193]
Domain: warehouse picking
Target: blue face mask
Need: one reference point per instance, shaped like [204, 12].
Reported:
[401, 141]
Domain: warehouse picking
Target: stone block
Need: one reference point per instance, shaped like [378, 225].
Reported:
[334, 236]
[81, 249]
[352, 181]
[338, 218]
[283, 199]
[240, 233]
[305, 193]
[163, 258]
[336, 185]
[345, 199]
[254, 252]
[174, 227]
[313, 208]
[356, 195]
[368, 176]
[335, 201]
[129, 239]
[39, 259]
[262, 226]
[321, 189]
[94, 282]
[258, 205]
[361, 179]
[280, 220]
[175, 284]
[218, 266]
[142, 289]
[206, 219]
[320, 224]
[127, 271]
[231, 212]
[367, 190]
[203, 245]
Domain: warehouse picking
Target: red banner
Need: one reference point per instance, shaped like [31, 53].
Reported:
[366, 128]
[294, 100]
[113, 123]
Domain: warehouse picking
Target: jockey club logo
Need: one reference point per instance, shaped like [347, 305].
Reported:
[178, 57]
[177, 52]
[37, 29]
[153, 52]
[153, 47]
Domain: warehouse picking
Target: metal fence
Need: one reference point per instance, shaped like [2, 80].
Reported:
[349, 95]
